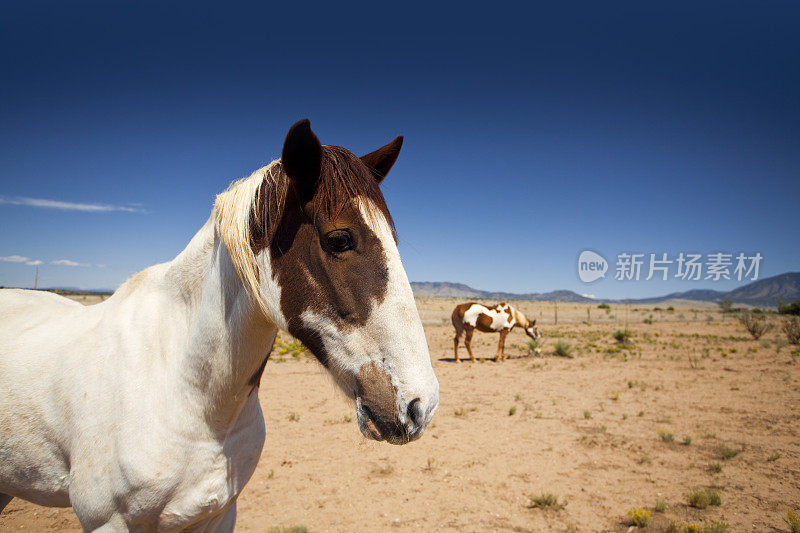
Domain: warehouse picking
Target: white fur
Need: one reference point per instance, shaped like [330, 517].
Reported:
[500, 318]
[136, 411]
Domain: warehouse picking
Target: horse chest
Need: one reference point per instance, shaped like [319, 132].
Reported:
[212, 481]
[168, 481]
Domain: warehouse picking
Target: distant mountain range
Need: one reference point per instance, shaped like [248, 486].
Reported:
[765, 292]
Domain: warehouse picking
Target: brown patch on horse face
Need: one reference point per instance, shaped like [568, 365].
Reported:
[343, 286]
[378, 398]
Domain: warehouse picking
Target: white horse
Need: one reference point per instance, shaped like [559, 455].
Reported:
[142, 412]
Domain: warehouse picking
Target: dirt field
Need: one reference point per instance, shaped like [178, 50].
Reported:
[585, 429]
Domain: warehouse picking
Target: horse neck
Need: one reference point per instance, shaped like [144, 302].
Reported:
[229, 337]
[520, 317]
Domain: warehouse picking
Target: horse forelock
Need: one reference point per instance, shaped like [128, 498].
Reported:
[250, 212]
[343, 178]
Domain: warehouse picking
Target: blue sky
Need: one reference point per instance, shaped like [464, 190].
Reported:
[531, 133]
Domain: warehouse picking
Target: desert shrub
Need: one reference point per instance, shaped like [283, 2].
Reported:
[687, 440]
[702, 499]
[790, 309]
[648, 320]
[604, 306]
[512, 411]
[670, 309]
[638, 517]
[710, 527]
[714, 468]
[791, 328]
[698, 499]
[755, 324]
[725, 305]
[729, 453]
[534, 346]
[546, 500]
[666, 436]
[623, 336]
[793, 520]
[383, 470]
[562, 349]
[289, 529]
[661, 506]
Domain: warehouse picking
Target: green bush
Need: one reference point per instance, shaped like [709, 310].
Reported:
[702, 499]
[546, 500]
[698, 499]
[793, 520]
[755, 324]
[562, 349]
[790, 309]
[534, 346]
[791, 328]
[604, 306]
[623, 336]
[711, 527]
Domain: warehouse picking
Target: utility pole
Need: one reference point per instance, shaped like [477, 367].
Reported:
[36, 279]
[556, 321]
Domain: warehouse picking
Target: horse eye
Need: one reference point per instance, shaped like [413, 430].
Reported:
[340, 240]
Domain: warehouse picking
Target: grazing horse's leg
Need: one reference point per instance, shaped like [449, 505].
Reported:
[458, 324]
[501, 347]
[457, 338]
[4, 500]
[468, 341]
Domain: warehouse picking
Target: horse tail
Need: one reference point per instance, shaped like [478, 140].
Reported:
[458, 320]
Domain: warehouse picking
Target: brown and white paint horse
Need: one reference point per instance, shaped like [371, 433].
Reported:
[500, 318]
[142, 412]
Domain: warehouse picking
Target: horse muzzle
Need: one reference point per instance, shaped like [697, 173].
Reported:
[395, 426]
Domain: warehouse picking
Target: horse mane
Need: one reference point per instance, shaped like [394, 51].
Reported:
[249, 210]
[519, 314]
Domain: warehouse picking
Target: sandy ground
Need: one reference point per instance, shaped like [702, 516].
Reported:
[584, 429]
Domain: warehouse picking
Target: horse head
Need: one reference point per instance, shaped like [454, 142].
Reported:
[330, 274]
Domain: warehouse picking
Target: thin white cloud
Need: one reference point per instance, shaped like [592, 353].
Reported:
[37, 262]
[68, 206]
[69, 263]
[20, 259]
[15, 259]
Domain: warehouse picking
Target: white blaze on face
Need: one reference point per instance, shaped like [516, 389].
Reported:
[392, 338]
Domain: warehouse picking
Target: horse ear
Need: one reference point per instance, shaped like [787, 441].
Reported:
[533, 322]
[381, 160]
[302, 155]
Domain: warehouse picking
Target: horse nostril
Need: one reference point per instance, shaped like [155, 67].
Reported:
[415, 413]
